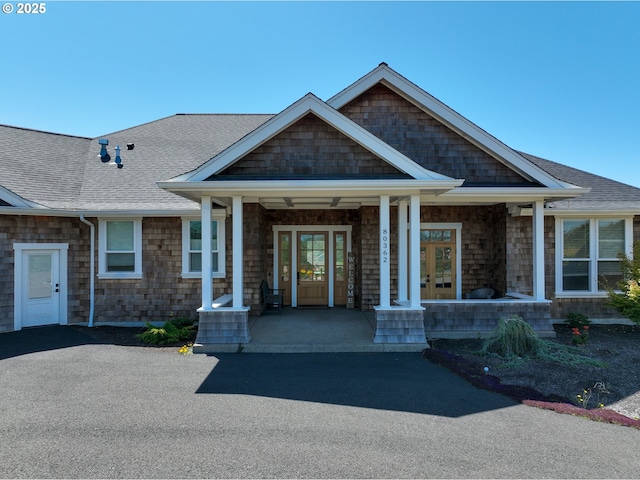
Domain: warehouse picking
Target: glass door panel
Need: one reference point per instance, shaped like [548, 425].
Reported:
[340, 268]
[437, 264]
[285, 266]
[312, 269]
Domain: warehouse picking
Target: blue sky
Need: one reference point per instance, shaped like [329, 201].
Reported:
[558, 80]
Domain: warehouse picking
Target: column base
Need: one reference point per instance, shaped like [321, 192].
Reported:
[223, 325]
[400, 325]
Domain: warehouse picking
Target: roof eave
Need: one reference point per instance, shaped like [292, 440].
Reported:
[47, 212]
[329, 188]
[512, 194]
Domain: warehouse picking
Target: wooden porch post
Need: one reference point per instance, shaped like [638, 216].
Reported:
[238, 253]
[207, 280]
[385, 257]
[403, 296]
[538, 250]
[414, 253]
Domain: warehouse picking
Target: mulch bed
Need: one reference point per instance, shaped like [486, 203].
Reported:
[471, 367]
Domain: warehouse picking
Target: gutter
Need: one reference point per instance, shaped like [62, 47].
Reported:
[92, 275]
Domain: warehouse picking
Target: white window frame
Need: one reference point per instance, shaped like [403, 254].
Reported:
[102, 248]
[186, 232]
[594, 289]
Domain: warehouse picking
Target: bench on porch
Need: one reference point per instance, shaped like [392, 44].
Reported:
[271, 296]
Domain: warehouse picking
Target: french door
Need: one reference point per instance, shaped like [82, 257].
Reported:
[311, 264]
[437, 264]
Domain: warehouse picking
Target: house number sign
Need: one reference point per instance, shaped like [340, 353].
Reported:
[384, 245]
[351, 280]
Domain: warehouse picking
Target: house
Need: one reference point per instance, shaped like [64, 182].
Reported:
[380, 198]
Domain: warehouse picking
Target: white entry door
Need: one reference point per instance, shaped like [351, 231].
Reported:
[40, 290]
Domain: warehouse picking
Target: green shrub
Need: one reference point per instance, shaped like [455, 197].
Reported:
[577, 320]
[171, 332]
[181, 322]
[513, 337]
[628, 302]
[515, 340]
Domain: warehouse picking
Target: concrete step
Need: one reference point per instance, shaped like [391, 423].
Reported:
[308, 348]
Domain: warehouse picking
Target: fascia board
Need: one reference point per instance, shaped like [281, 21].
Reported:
[566, 212]
[310, 104]
[96, 213]
[311, 187]
[17, 201]
[446, 115]
[510, 193]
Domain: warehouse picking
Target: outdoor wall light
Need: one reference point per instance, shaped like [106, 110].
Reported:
[104, 156]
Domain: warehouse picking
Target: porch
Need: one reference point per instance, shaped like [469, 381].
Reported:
[339, 329]
[311, 330]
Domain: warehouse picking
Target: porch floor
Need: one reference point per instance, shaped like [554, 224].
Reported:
[309, 330]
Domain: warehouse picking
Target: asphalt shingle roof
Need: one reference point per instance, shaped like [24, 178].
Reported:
[605, 194]
[42, 167]
[65, 172]
[162, 150]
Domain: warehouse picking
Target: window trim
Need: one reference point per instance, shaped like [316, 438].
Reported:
[186, 232]
[594, 291]
[457, 226]
[102, 248]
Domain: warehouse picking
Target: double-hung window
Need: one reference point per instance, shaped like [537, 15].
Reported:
[192, 242]
[588, 252]
[120, 248]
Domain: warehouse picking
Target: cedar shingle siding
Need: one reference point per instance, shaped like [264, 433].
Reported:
[422, 138]
[161, 292]
[36, 229]
[310, 148]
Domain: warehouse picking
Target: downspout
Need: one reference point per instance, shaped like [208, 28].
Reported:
[92, 270]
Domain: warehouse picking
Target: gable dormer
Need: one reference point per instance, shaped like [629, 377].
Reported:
[427, 141]
[310, 148]
[431, 129]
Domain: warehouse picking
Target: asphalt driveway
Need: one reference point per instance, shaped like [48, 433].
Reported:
[73, 408]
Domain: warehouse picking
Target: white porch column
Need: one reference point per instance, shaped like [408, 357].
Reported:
[238, 253]
[385, 257]
[207, 281]
[414, 250]
[403, 275]
[538, 250]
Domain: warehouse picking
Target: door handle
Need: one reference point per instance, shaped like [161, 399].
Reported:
[57, 288]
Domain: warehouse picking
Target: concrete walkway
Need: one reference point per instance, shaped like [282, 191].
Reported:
[312, 330]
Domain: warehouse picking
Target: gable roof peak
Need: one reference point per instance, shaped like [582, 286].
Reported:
[414, 94]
